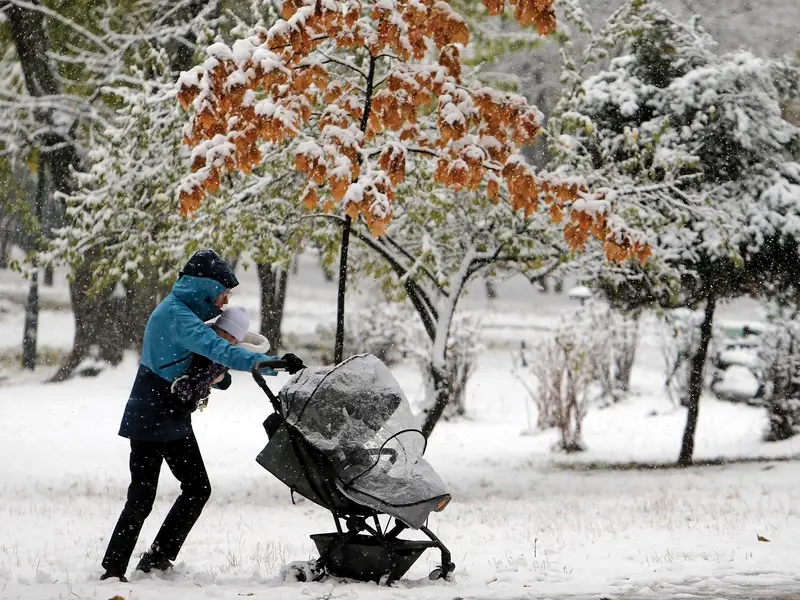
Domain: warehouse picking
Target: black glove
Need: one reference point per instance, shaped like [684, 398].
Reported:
[293, 363]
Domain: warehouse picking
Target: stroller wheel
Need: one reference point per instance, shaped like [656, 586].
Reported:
[443, 572]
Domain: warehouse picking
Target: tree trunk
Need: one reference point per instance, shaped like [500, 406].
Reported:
[31, 328]
[338, 348]
[6, 224]
[273, 280]
[439, 396]
[30, 39]
[489, 288]
[31, 324]
[696, 383]
[182, 53]
[437, 364]
[140, 300]
[91, 315]
[626, 355]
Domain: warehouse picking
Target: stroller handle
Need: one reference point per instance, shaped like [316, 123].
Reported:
[276, 364]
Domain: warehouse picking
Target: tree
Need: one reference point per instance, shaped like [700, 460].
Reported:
[702, 140]
[70, 58]
[54, 137]
[345, 89]
[437, 242]
[123, 208]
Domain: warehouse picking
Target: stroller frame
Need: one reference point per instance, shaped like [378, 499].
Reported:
[360, 550]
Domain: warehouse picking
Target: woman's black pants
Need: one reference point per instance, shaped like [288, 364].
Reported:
[184, 460]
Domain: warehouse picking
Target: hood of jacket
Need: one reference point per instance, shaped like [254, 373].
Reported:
[207, 263]
[254, 342]
[199, 294]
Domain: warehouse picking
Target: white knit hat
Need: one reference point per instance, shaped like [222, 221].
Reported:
[235, 321]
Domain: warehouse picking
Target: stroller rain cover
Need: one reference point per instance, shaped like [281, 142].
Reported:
[357, 416]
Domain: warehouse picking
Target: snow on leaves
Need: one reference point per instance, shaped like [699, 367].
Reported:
[695, 141]
[538, 13]
[344, 86]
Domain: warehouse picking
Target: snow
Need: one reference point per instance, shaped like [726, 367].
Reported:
[580, 292]
[266, 108]
[190, 78]
[242, 50]
[452, 115]
[269, 61]
[236, 78]
[309, 148]
[220, 51]
[738, 382]
[523, 523]
[747, 357]
[354, 194]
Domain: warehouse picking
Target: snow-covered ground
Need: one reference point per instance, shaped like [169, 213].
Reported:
[524, 523]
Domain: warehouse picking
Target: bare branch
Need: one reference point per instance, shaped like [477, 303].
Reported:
[343, 63]
[492, 166]
[389, 239]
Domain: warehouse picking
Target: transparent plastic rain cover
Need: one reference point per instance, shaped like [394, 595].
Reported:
[356, 414]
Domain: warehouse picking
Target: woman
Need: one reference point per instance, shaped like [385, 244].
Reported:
[158, 426]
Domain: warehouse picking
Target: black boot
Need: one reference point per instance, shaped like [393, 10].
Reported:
[152, 559]
[112, 575]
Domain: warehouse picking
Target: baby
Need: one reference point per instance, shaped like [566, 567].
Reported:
[192, 390]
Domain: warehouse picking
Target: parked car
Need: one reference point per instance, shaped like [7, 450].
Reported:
[738, 375]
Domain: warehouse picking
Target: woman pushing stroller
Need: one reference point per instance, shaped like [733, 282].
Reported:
[157, 417]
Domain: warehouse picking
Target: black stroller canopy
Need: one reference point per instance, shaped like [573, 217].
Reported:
[357, 416]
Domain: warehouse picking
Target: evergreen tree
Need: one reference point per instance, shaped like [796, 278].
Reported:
[697, 146]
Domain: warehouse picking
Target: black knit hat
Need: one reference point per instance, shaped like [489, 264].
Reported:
[209, 264]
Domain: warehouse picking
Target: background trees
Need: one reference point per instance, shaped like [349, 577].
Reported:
[75, 64]
[314, 125]
[703, 138]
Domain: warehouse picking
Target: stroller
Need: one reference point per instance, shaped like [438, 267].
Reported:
[344, 438]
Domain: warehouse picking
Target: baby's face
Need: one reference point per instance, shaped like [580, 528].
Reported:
[225, 335]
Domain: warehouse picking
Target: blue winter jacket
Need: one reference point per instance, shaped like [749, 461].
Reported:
[174, 332]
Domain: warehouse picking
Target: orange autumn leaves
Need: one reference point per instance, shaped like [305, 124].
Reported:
[538, 13]
[275, 87]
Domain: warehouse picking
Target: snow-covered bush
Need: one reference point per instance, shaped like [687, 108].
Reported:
[619, 336]
[624, 334]
[780, 356]
[568, 369]
[380, 329]
[590, 357]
